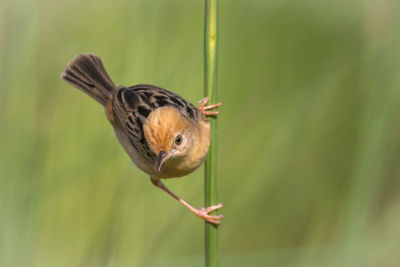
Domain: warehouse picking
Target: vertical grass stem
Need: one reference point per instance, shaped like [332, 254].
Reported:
[210, 90]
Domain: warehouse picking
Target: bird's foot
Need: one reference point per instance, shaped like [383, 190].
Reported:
[205, 109]
[204, 213]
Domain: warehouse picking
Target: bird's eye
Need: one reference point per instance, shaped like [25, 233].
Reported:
[178, 139]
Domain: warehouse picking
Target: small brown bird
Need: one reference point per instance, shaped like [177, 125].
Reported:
[165, 135]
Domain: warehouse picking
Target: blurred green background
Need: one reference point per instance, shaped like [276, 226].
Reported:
[309, 134]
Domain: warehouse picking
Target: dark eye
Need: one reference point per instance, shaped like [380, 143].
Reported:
[178, 139]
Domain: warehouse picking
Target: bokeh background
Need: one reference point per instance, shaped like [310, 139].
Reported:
[309, 134]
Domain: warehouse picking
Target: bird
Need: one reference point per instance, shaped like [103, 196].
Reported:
[164, 135]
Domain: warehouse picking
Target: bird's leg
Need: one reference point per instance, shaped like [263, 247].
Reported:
[204, 109]
[202, 212]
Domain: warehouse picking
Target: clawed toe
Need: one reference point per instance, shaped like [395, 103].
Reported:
[204, 109]
[215, 219]
[210, 113]
[213, 207]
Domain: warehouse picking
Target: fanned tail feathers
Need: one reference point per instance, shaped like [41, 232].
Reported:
[87, 73]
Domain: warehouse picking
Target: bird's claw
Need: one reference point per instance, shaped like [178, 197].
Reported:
[205, 109]
[214, 219]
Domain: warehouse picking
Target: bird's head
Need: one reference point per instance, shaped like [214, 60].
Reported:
[170, 135]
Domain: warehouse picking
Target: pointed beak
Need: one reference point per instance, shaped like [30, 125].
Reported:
[162, 157]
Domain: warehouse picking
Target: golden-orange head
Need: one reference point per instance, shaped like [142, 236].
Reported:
[172, 137]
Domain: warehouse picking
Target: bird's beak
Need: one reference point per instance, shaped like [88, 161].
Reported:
[162, 157]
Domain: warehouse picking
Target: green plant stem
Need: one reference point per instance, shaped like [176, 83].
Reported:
[210, 90]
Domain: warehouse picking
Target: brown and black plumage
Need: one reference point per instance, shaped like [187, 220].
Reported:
[165, 135]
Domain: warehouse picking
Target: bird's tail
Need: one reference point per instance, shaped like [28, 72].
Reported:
[87, 73]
